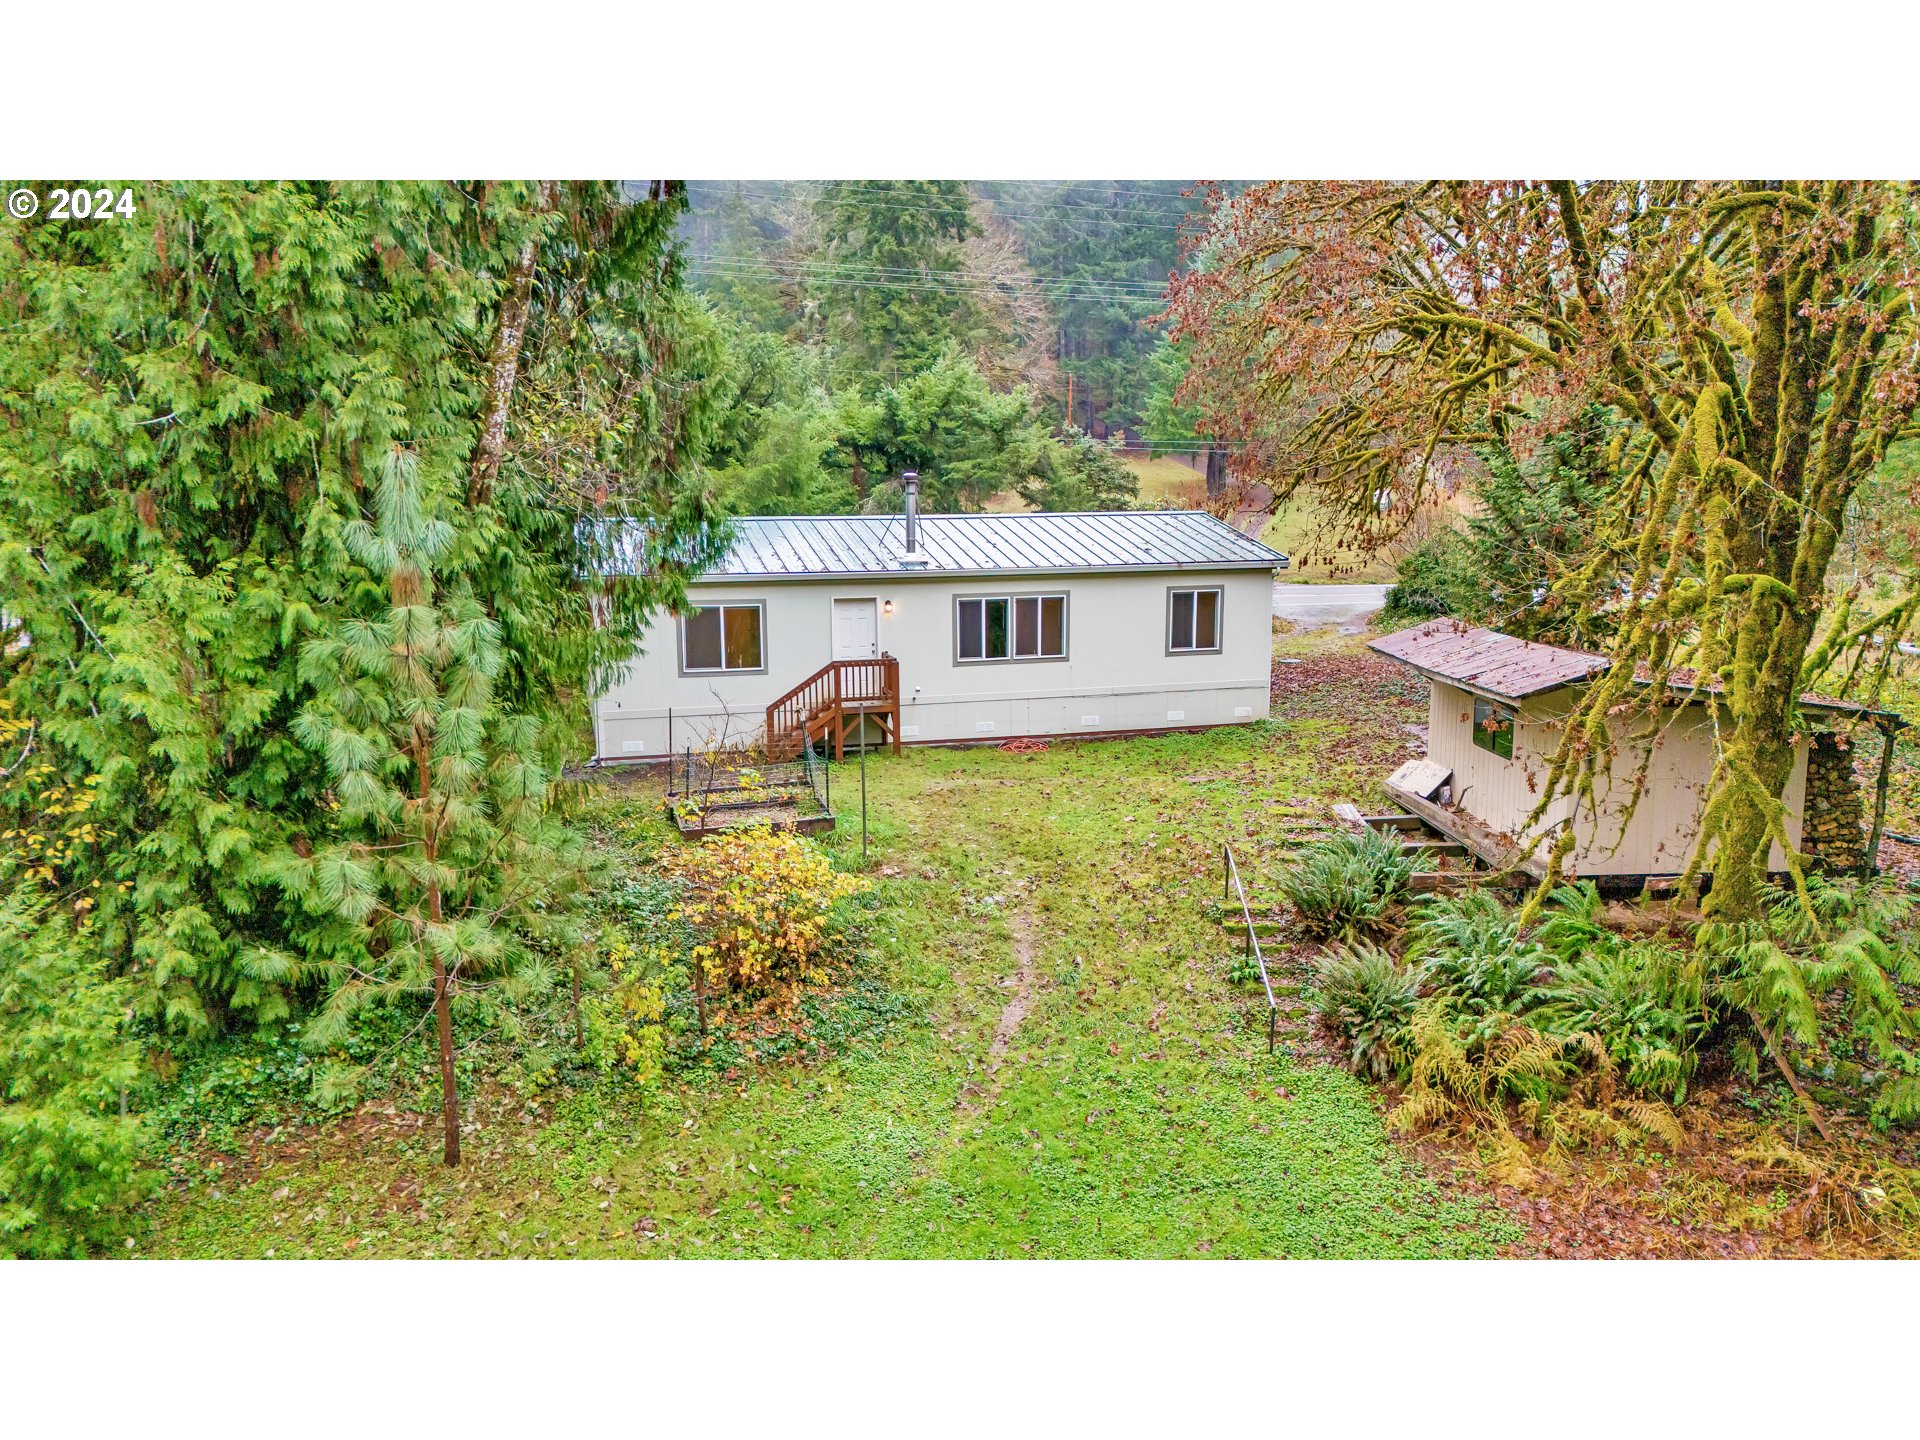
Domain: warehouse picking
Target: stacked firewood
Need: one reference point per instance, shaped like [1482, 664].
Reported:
[1833, 826]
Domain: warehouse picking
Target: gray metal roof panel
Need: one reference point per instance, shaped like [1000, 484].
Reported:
[802, 546]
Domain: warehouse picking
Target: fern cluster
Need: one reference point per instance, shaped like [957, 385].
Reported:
[1488, 1075]
[1347, 885]
[1568, 1030]
[1368, 999]
[1846, 944]
[1469, 948]
[1567, 1033]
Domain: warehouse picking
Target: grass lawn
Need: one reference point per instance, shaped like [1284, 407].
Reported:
[1299, 531]
[1070, 1074]
[1165, 480]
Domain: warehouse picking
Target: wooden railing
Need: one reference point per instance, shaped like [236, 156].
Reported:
[823, 703]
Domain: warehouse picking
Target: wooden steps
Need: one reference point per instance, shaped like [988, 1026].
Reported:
[833, 704]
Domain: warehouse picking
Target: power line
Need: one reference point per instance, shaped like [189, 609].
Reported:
[1173, 222]
[933, 280]
[1145, 303]
[869, 187]
[930, 282]
[864, 267]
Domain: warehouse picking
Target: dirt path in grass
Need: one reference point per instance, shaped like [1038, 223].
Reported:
[975, 1099]
[1021, 1001]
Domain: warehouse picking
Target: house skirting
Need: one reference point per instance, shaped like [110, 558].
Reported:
[644, 735]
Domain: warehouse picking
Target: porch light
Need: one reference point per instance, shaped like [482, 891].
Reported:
[886, 607]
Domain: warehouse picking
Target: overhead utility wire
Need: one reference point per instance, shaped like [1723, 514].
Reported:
[1066, 289]
[891, 196]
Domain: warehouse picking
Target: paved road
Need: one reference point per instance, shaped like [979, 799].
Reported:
[1312, 607]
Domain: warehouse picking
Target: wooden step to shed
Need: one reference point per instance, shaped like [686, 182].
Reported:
[1432, 847]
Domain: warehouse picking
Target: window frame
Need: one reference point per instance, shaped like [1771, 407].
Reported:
[1490, 742]
[680, 626]
[1065, 597]
[1219, 619]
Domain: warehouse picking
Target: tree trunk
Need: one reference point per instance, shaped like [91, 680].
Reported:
[1758, 749]
[449, 1093]
[503, 364]
[1793, 1080]
[1740, 863]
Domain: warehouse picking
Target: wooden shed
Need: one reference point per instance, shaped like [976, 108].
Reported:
[1497, 709]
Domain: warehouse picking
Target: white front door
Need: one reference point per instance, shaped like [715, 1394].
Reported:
[856, 630]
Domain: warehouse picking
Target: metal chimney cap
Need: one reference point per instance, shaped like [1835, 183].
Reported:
[910, 484]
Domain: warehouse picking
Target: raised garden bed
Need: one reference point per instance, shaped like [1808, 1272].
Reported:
[713, 794]
[782, 815]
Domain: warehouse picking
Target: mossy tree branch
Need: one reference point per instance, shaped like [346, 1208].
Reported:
[1755, 341]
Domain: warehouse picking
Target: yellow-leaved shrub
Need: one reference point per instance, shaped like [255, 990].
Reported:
[761, 902]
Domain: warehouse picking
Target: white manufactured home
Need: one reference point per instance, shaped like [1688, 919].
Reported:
[1497, 710]
[953, 628]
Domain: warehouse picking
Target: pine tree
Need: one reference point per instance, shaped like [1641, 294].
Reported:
[1079, 473]
[887, 244]
[449, 854]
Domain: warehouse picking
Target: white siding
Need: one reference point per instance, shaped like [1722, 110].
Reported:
[1659, 834]
[1117, 674]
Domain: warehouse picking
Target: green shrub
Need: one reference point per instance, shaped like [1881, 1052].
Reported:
[1478, 1076]
[1348, 884]
[1368, 999]
[1439, 576]
[1575, 921]
[1855, 947]
[1645, 1001]
[69, 1162]
[1468, 948]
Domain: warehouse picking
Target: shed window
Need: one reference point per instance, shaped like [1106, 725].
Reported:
[1493, 727]
[1011, 627]
[722, 637]
[1193, 621]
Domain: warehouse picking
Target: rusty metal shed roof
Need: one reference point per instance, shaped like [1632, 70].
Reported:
[1504, 667]
[816, 547]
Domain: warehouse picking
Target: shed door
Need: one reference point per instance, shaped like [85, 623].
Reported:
[856, 630]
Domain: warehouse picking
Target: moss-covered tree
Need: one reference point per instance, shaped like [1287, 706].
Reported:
[1754, 341]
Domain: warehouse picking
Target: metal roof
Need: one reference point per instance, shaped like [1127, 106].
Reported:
[837, 546]
[1502, 666]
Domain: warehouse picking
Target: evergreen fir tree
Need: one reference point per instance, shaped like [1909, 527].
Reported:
[68, 1152]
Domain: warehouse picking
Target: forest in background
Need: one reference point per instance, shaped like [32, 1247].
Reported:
[997, 337]
[297, 484]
